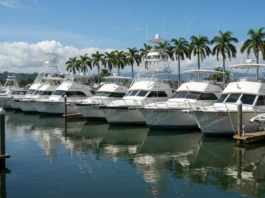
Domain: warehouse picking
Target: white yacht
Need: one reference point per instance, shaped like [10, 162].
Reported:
[50, 71]
[190, 95]
[15, 102]
[49, 82]
[10, 85]
[153, 84]
[221, 118]
[74, 88]
[114, 88]
[49, 85]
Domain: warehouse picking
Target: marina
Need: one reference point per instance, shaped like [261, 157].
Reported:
[95, 156]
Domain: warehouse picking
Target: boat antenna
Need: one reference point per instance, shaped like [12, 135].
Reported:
[163, 19]
[146, 29]
[189, 26]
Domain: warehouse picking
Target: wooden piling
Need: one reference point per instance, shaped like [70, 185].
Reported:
[239, 121]
[65, 114]
[3, 154]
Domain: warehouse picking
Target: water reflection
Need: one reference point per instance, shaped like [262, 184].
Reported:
[160, 158]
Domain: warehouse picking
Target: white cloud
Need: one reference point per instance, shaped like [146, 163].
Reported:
[9, 3]
[25, 57]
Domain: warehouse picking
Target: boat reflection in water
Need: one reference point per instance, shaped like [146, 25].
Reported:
[221, 164]
[166, 163]
[159, 152]
[123, 141]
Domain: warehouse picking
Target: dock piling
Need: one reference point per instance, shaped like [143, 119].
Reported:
[3, 154]
[239, 121]
[65, 114]
[65, 108]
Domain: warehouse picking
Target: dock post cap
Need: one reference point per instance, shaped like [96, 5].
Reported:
[2, 111]
[65, 96]
[239, 102]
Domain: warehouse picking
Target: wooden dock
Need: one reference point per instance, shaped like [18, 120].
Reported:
[251, 137]
[75, 117]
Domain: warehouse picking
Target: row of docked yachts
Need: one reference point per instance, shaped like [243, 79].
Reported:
[151, 98]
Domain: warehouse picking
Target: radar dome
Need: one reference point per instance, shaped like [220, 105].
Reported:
[157, 36]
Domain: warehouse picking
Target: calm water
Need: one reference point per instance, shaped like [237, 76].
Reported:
[95, 160]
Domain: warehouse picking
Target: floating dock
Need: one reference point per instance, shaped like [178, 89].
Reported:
[74, 117]
[250, 137]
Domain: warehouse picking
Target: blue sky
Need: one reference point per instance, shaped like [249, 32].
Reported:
[30, 28]
[122, 23]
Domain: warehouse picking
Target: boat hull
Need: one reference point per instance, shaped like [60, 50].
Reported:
[28, 106]
[168, 119]
[55, 108]
[15, 104]
[224, 123]
[123, 116]
[91, 112]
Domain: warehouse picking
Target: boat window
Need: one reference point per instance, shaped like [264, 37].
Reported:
[128, 93]
[222, 98]
[116, 95]
[207, 96]
[133, 93]
[92, 92]
[232, 98]
[58, 93]
[152, 94]
[99, 93]
[161, 94]
[248, 99]
[75, 94]
[31, 91]
[193, 95]
[181, 94]
[260, 101]
[142, 93]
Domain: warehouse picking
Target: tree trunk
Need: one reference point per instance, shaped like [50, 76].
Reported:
[179, 71]
[132, 70]
[118, 70]
[98, 76]
[199, 67]
[224, 70]
[257, 59]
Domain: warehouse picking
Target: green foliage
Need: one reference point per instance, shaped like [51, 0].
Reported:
[255, 43]
[199, 47]
[219, 77]
[25, 82]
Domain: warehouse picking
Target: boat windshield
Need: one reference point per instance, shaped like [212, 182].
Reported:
[58, 93]
[247, 99]
[110, 94]
[188, 95]
[44, 93]
[31, 91]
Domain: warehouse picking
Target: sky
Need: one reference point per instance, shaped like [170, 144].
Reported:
[30, 28]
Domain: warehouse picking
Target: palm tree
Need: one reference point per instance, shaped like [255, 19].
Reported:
[256, 43]
[132, 57]
[72, 65]
[97, 58]
[224, 46]
[109, 60]
[143, 53]
[199, 46]
[180, 50]
[84, 63]
[166, 48]
[119, 60]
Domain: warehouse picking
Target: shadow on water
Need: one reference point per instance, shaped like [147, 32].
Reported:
[3, 174]
[160, 157]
